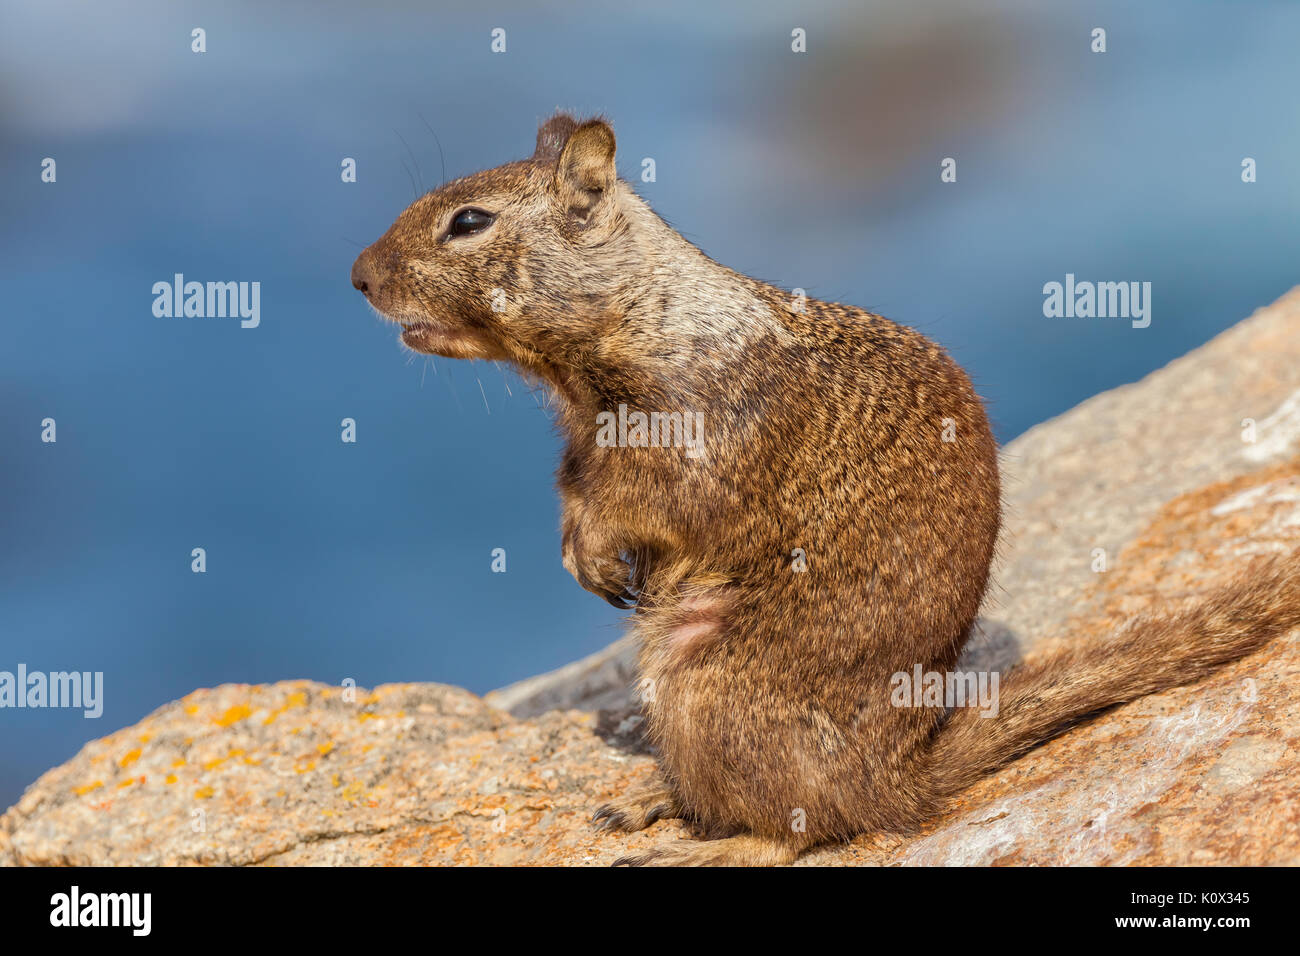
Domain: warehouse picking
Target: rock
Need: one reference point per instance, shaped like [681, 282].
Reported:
[603, 680]
[1092, 477]
[1156, 475]
[300, 772]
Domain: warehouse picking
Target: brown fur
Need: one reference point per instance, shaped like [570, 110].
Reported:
[823, 432]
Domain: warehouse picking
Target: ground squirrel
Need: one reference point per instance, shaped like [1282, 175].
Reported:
[832, 527]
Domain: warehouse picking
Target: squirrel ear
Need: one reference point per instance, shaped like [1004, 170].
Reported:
[584, 175]
[552, 135]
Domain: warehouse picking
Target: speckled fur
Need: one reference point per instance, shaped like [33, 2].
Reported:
[769, 687]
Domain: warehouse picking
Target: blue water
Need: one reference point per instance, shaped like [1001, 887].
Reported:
[820, 170]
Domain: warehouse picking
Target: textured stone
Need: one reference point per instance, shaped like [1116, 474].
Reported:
[298, 773]
[1156, 474]
[603, 680]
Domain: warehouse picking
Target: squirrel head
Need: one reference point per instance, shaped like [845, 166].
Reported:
[526, 262]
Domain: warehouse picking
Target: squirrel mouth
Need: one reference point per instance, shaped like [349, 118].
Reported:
[417, 333]
[432, 338]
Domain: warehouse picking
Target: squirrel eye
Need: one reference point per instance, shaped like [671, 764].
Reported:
[469, 221]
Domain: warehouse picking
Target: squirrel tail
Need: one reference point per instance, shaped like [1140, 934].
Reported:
[1042, 698]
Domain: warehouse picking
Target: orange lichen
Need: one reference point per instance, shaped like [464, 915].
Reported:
[130, 758]
[233, 715]
[296, 699]
[82, 791]
[352, 790]
[203, 793]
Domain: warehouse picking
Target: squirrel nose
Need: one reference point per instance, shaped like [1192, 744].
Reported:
[366, 276]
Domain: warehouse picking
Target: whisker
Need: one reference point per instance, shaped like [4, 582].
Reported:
[414, 161]
[452, 385]
[441, 162]
[415, 191]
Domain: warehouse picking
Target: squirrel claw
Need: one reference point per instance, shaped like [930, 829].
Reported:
[621, 601]
[636, 810]
[608, 819]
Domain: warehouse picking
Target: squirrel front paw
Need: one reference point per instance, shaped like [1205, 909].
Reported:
[599, 567]
[637, 810]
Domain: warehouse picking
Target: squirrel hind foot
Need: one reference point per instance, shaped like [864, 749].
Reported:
[745, 850]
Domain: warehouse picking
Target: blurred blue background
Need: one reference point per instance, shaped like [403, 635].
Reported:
[372, 561]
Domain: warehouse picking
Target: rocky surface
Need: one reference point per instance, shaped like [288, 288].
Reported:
[599, 681]
[1160, 475]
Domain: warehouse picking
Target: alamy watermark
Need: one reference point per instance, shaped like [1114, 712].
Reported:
[1099, 300]
[626, 429]
[954, 689]
[211, 300]
[36, 689]
[74, 908]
